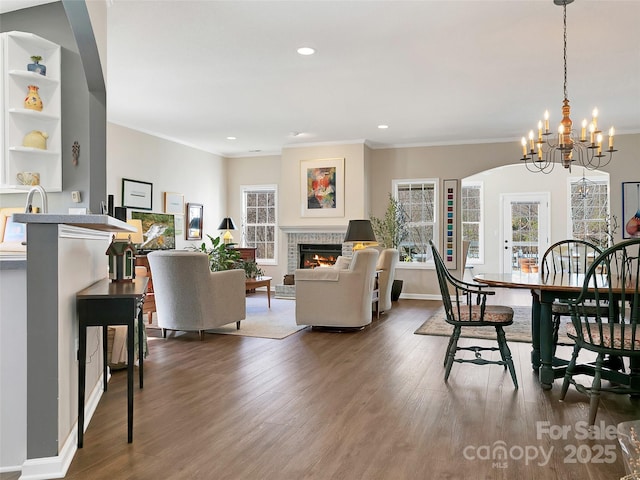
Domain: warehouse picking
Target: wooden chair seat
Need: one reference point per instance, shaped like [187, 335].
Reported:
[493, 314]
[609, 336]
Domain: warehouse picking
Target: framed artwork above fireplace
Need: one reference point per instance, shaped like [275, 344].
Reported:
[322, 187]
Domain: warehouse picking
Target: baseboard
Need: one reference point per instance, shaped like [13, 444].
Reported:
[420, 296]
[56, 467]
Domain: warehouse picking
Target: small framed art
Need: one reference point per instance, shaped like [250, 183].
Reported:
[137, 194]
[194, 221]
[173, 203]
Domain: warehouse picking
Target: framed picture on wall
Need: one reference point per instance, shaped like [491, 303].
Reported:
[631, 209]
[450, 232]
[194, 221]
[137, 194]
[173, 203]
[322, 187]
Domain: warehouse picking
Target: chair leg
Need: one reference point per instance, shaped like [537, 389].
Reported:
[505, 352]
[568, 374]
[556, 330]
[451, 353]
[446, 353]
[201, 334]
[238, 325]
[164, 333]
[594, 393]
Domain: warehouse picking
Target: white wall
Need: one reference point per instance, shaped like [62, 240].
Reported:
[170, 167]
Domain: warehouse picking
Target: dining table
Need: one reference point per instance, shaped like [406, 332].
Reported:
[545, 290]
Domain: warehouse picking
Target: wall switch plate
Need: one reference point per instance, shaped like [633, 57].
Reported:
[76, 197]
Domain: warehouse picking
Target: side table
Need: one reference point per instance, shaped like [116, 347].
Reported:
[109, 303]
[253, 283]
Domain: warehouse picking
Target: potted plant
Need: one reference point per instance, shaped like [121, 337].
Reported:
[251, 269]
[222, 256]
[36, 66]
[390, 231]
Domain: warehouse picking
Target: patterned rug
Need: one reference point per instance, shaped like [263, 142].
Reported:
[277, 322]
[520, 331]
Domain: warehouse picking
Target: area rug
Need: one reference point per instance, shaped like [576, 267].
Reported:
[277, 322]
[519, 331]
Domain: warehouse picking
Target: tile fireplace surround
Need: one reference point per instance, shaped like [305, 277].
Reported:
[320, 235]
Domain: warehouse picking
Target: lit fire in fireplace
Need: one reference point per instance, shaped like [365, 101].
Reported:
[320, 261]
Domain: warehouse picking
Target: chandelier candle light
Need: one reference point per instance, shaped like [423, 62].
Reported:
[541, 154]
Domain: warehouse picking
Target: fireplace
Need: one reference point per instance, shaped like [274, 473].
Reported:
[314, 255]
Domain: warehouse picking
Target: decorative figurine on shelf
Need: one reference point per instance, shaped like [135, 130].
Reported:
[36, 66]
[33, 100]
[121, 260]
[35, 139]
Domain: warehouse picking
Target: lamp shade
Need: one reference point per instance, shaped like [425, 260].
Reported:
[136, 237]
[227, 224]
[360, 231]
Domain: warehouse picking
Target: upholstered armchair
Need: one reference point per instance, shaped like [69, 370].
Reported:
[386, 267]
[190, 297]
[335, 297]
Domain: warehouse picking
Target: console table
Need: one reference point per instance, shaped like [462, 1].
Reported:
[109, 303]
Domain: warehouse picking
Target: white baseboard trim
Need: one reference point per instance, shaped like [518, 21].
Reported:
[420, 296]
[56, 467]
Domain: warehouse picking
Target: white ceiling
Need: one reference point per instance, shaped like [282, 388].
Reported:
[437, 72]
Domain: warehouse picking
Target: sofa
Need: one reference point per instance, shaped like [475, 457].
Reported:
[189, 297]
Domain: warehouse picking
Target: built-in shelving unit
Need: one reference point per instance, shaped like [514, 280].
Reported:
[17, 48]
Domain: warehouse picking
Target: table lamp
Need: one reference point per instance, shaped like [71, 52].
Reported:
[134, 237]
[227, 224]
[360, 233]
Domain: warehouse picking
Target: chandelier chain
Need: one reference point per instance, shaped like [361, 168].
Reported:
[565, 50]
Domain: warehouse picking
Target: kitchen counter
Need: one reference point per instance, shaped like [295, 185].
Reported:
[103, 223]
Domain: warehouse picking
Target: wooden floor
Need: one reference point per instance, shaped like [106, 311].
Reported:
[318, 405]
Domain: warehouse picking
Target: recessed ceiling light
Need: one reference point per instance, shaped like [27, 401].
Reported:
[306, 51]
[382, 127]
[231, 138]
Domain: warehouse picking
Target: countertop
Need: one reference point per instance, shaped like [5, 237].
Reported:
[103, 223]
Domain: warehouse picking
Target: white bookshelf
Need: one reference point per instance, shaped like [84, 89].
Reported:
[17, 121]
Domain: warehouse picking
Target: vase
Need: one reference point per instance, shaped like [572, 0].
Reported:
[33, 100]
[35, 139]
[37, 68]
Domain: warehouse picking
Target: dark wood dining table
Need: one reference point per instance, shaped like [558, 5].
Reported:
[544, 292]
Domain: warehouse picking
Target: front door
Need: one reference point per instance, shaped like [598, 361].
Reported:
[525, 231]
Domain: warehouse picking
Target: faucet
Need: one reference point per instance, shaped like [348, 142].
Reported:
[43, 195]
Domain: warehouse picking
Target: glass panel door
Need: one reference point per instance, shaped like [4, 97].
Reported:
[525, 231]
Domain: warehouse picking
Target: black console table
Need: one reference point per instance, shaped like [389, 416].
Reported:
[102, 304]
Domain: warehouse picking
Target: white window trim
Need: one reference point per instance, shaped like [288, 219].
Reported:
[253, 188]
[594, 178]
[429, 265]
[479, 183]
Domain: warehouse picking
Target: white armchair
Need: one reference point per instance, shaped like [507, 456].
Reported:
[387, 262]
[190, 297]
[334, 297]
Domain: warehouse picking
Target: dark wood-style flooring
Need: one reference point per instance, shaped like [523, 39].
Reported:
[318, 405]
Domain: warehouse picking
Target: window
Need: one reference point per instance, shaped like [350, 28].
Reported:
[259, 221]
[418, 201]
[589, 201]
[471, 211]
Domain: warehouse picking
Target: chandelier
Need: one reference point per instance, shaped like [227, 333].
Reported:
[566, 147]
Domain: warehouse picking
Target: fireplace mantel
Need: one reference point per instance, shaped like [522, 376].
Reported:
[314, 228]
